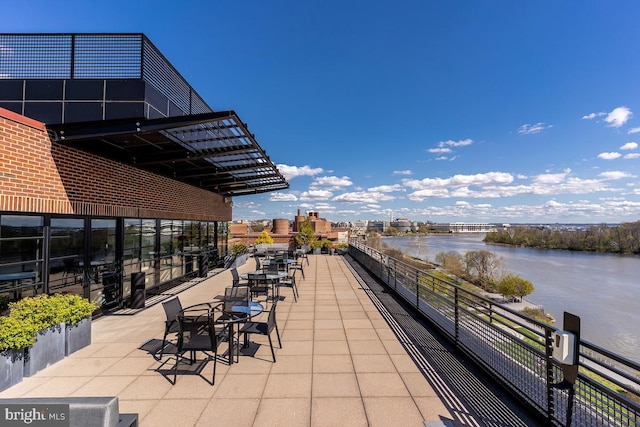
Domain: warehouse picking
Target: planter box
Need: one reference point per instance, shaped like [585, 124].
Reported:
[11, 368]
[47, 350]
[316, 251]
[77, 336]
[241, 260]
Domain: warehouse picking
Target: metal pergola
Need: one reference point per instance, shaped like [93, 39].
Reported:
[213, 151]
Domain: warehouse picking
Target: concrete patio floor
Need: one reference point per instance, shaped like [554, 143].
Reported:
[340, 365]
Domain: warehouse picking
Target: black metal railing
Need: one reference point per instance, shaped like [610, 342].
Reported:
[517, 349]
[96, 56]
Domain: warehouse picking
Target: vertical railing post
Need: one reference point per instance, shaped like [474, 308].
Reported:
[490, 313]
[456, 316]
[548, 344]
[417, 288]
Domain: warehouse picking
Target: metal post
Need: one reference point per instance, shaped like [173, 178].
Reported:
[456, 316]
[417, 288]
[548, 343]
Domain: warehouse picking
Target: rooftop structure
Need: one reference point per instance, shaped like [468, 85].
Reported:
[116, 95]
[113, 166]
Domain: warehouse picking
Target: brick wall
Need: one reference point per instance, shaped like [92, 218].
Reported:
[37, 175]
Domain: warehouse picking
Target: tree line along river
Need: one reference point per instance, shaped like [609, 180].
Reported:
[602, 289]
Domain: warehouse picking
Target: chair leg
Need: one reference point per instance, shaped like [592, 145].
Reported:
[278, 335]
[215, 360]
[273, 353]
[175, 369]
[164, 343]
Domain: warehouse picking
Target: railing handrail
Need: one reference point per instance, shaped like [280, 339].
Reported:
[454, 310]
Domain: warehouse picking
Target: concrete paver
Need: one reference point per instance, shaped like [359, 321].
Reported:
[340, 364]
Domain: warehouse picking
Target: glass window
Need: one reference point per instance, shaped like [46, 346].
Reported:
[21, 255]
[66, 255]
[102, 273]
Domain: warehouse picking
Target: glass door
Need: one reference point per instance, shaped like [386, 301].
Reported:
[101, 269]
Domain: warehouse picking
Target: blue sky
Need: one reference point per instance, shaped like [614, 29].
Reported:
[492, 111]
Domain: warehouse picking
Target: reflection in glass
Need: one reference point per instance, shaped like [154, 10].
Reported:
[66, 255]
[21, 239]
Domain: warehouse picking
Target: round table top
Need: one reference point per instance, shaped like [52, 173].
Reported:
[270, 274]
[241, 312]
[282, 261]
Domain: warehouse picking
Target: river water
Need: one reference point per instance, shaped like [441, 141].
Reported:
[602, 289]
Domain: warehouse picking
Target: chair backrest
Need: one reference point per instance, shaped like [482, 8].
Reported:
[172, 308]
[235, 294]
[235, 275]
[257, 278]
[271, 320]
[192, 328]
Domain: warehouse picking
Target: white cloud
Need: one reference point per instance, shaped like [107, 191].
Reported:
[633, 130]
[332, 182]
[282, 197]
[497, 185]
[447, 158]
[551, 178]
[452, 143]
[291, 172]
[591, 116]
[363, 197]
[387, 188]
[618, 116]
[404, 172]
[528, 129]
[615, 175]
[632, 156]
[316, 195]
[489, 178]
[609, 156]
[440, 150]
[629, 146]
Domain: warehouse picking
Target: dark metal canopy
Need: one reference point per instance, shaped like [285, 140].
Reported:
[214, 151]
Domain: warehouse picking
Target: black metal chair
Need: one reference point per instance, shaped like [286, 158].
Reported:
[172, 308]
[297, 264]
[305, 249]
[263, 328]
[234, 295]
[197, 332]
[258, 285]
[236, 278]
[288, 282]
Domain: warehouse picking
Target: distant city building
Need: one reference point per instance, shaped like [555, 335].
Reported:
[467, 227]
[403, 225]
[359, 227]
[284, 231]
[379, 226]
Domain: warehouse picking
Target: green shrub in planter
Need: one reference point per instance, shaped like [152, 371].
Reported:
[15, 334]
[238, 249]
[44, 311]
[33, 314]
[73, 308]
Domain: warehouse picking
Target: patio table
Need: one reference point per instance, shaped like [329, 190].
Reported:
[271, 277]
[239, 313]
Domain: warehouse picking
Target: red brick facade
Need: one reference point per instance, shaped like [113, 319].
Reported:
[37, 175]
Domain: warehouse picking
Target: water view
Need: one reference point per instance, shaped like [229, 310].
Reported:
[602, 289]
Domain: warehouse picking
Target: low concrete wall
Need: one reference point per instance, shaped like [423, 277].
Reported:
[82, 412]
